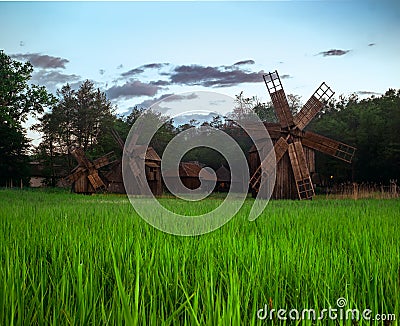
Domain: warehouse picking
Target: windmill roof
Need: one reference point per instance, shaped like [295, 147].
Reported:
[223, 174]
[152, 155]
[191, 170]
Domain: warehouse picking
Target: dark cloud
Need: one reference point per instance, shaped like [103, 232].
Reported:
[133, 88]
[244, 62]
[141, 69]
[212, 76]
[53, 79]
[160, 83]
[180, 97]
[154, 65]
[132, 72]
[371, 44]
[334, 52]
[41, 60]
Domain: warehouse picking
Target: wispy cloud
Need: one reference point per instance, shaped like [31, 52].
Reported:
[368, 93]
[41, 60]
[334, 52]
[150, 102]
[141, 69]
[53, 79]
[244, 62]
[131, 89]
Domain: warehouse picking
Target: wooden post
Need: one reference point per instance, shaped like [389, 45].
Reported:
[355, 190]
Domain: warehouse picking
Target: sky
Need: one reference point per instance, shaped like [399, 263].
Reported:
[139, 52]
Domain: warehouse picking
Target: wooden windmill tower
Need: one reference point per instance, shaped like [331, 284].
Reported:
[294, 147]
[85, 176]
[134, 152]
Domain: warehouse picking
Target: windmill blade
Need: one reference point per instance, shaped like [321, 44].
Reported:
[278, 97]
[80, 156]
[80, 172]
[304, 185]
[137, 173]
[269, 164]
[313, 106]
[95, 180]
[117, 138]
[328, 146]
[104, 160]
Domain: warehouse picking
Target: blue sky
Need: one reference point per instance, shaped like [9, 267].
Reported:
[139, 51]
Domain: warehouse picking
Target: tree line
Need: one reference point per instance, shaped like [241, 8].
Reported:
[85, 117]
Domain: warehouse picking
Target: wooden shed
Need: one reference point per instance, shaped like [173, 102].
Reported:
[115, 181]
[189, 175]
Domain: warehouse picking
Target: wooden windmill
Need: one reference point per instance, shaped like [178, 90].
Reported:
[135, 153]
[294, 147]
[85, 177]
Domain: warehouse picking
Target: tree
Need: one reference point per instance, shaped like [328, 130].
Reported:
[371, 125]
[18, 100]
[83, 118]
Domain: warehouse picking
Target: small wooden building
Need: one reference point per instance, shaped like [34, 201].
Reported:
[223, 179]
[189, 173]
[115, 183]
[285, 185]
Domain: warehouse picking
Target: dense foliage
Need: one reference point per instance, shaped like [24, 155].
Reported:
[372, 125]
[18, 101]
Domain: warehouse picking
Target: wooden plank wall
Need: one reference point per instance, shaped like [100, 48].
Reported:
[285, 187]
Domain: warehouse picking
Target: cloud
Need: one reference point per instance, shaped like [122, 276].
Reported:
[150, 102]
[175, 98]
[41, 60]
[244, 62]
[368, 93]
[133, 88]
[132, 72]
[53, 79]
[196, 75]
[200, 118]
[141, 69]
[160, 83]
[154, 65]
[334, 52]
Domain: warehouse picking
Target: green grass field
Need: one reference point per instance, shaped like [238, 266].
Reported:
[71, 259]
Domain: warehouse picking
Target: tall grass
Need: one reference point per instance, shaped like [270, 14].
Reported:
[70, 259]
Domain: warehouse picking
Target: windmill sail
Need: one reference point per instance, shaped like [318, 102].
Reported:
[313, 106]
[278, 97]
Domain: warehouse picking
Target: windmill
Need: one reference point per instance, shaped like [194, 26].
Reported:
[85, 176]
[290, 139]
[134, 154]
